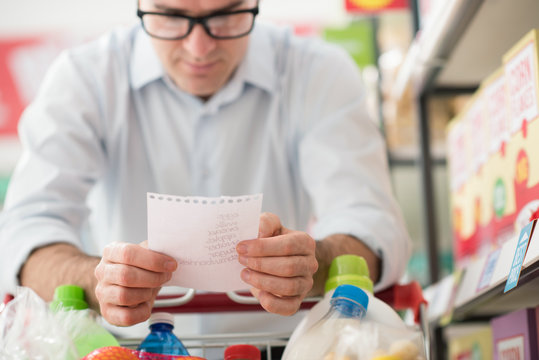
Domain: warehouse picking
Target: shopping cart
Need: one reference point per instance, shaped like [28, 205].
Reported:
[407, 297]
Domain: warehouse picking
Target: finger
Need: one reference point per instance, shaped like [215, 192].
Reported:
[130, 276]
[278, 305]
[279, 286]
[269, 225]
[135, 255]
[124, 296]
[289, 266]
[126, 316]
[294, 243]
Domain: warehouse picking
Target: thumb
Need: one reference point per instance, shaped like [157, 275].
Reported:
[270, 225]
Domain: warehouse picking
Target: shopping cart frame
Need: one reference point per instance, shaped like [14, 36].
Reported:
[408, 297]
[400, 297]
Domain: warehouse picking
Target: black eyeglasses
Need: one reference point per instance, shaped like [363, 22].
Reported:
[221, 25]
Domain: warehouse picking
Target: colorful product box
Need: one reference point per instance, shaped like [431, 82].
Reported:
[515, 335]
[476, 344]
[494, 172]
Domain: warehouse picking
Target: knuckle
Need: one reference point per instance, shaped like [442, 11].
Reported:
[268, 304]
[256, 281]
[288, 247]
[124, 276]
[125, 253]
[254, 263]
[312, 244]
[98, 272]
[308, 242]
[291, 288]
[124, 298]
[107, 250]
[290, 269]
[314, 266]
[99, 292]
[125, 317]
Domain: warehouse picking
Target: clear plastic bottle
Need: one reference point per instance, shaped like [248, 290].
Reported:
[161, 339]
[242, 352]
[87, 334]
[329, 336]
[351, 270]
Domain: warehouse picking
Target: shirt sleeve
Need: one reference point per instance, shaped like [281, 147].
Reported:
[62, 157]
[343, 163]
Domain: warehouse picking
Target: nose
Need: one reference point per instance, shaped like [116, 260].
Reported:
[198, 43]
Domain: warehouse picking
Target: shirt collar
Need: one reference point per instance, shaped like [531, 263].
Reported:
[145, 65]
[257, 68]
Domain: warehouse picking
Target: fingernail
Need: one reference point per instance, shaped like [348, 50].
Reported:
[170, 265]
[242, 260]
[241, 249]
[245, 275]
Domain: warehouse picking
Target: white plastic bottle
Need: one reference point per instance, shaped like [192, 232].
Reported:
[351, 270]
[336, 334]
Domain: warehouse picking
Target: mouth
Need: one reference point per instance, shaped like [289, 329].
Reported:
[200, 68]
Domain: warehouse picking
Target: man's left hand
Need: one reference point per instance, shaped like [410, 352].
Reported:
[280, 265]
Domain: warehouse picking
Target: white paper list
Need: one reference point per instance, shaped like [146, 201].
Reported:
[201, 233]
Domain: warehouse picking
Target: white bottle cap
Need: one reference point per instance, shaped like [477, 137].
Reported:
[161, 317]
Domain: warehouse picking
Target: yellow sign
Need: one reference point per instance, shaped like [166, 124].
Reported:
[371, 4]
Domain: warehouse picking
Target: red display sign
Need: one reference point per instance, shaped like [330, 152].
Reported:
[375, 6]
[23, 64]
[11, 103]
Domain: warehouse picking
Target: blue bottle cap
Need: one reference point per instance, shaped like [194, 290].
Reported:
[353, 293]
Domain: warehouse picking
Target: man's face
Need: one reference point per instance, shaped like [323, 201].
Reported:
[199, 64]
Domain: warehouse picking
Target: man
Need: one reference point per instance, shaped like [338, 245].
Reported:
[197, 103]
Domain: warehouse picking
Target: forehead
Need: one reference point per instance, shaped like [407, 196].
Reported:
[197, 6]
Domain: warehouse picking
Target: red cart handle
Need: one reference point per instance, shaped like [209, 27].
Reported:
[403, 297]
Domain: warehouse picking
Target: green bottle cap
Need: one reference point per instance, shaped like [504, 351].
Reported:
[349, 269]
[68, 297]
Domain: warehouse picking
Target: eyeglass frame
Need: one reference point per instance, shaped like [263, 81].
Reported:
[202, 20]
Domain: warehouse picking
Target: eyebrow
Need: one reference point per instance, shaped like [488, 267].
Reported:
[226, 8]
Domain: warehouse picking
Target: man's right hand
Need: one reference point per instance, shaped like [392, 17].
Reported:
[129, 276]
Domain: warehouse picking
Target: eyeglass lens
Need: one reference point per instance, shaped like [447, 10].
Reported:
[221, 26]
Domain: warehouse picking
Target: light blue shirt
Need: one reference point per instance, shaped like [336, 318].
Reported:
[108, 126]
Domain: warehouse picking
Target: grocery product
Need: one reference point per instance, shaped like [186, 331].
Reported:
[121, 353]
[112, 353]
[161, 339]
[87, 334]
[242, 352]
[352, 270]
[335, 334]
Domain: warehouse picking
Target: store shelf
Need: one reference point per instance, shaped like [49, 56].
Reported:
[494, 302]
[460, 44]
[466, 299]
[463, 42]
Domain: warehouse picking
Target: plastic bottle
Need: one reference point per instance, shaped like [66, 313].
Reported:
[87, 334]
[351, 270]
[161, 339]
[348, 306]
[242, 352]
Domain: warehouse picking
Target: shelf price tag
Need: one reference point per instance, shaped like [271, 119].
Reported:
[446, 318]
[488, 270]
[520, 254]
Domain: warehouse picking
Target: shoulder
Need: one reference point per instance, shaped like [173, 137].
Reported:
[306, 56]
[112, 47]
[98, 68]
